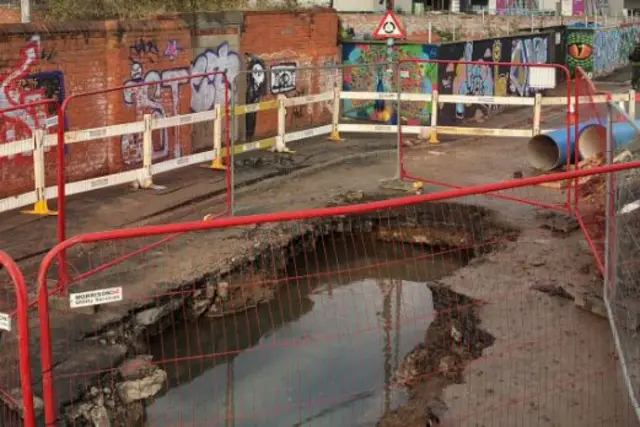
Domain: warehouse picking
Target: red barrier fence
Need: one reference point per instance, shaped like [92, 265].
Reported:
[139, 91]
[16, 395]
[593, 116]
[164, 304]
[487, 87]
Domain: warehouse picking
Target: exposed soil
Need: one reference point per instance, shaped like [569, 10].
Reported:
[451, 342]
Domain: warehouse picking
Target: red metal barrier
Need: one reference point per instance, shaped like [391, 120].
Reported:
[589, 197]
[485, 70]
[156, 301]
[16, 393]
[62, 273]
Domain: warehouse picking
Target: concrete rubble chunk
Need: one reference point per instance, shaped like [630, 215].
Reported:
[132, 391]
[135, 369]
[152, 315]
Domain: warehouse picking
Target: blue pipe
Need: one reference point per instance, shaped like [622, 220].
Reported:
[548, 151]
[592, 139]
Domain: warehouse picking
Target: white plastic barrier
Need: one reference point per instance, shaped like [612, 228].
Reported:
[144, 175]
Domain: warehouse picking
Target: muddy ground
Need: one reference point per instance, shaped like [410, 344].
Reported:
[538, 359]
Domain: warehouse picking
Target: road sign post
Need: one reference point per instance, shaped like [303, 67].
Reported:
[389, 27]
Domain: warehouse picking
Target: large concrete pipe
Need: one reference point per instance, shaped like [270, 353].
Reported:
[548, 151]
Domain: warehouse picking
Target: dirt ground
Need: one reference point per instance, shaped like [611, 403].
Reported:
[551, 363]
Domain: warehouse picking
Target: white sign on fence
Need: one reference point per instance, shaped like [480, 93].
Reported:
[100, 296]
[542, 77]
[5, 322]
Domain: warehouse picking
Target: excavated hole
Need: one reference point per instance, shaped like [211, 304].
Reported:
[362, 324]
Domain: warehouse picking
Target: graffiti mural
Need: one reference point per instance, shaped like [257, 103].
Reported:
[207, 92]
[533, 50]
[148, 99]
[488, 80]
[162, 99]
[467, 79]
[368, 69]
[144, 49]
[611, 48]
[600, 51]
[21, 83]
[580, 50]
[256, 89]
[172, 50]
[283, 77]
[291, 74]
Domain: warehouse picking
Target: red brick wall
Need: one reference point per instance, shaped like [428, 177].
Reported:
[147, 55]
[306, 39]
[33, 67]
[9, 15]
[38, 62]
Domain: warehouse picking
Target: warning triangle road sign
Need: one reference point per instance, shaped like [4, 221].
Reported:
[389, 28]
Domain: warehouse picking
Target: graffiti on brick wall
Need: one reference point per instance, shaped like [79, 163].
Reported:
[488, 80]
[287, 73]
[283, 77]
[143, 49]
[148, 99]
[368, 68]
[209, 91]
[256, 89]
[205, 93]
[22, 82]
[173, 49]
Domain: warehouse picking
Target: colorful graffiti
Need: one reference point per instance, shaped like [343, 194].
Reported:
[488, 80]
[600, 51]
[368, 68]
[206, 92]
[611, 48]
[533, 50]
[23, 83]
[580, 50]
[473, 79]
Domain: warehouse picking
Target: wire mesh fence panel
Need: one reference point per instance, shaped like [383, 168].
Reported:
[455, 105]
[591, 122]
[302, 107]
[370, 71]
[254, 107]
[621, 247]
[150, 105]
[594, 114]
[9, 366]
[405, 311]
[16, 400]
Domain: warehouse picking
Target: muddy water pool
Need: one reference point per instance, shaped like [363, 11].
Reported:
[323, 353]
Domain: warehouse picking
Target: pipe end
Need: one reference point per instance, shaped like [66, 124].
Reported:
[543, 153]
